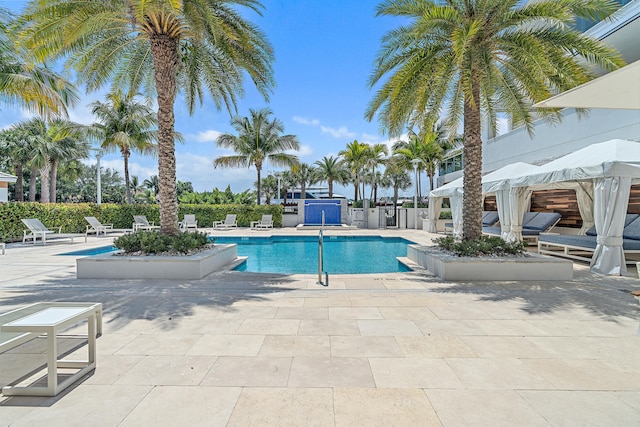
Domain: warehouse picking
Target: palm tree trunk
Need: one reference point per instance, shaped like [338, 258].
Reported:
[165, 57]
[127, 185]
[45, 175]
[259, 171]
[431, 181]
[330, 189]
[32, 184]
[19, 191]
[53, 186]
[303, 189]
[472, 152]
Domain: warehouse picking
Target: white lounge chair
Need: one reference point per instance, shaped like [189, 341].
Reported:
[140, 222]
[38, 230]
[263, 224]
[189, 221]
[96, 226]
[228, 223]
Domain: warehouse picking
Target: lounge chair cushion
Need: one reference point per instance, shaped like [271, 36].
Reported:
[542, 222]
[628, 220]
[588, 242]
[632, 231]
[489, 218]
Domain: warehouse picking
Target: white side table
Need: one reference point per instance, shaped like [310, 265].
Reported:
[51, 321]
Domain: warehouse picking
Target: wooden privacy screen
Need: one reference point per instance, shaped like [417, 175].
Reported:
[564, 202]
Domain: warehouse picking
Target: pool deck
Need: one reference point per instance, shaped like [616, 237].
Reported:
[406, 349]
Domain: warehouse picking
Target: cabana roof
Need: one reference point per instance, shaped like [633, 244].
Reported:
[5, 177]
[615, 157]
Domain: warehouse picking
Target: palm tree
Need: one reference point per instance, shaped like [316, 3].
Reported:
[304, 174]
[165, 46]
[70, 147]
[354, 158]
[127, 125]
[258, 139]
[480, 56]
[152, 184]
[270, 187]
[15, 145]
[330, 170]
[397, 175]
[34, 87]
[44, 149]
[375, 156]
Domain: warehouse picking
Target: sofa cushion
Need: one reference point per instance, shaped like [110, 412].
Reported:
[632, 231]
[543, 221]
[629, 218]
[489, 218]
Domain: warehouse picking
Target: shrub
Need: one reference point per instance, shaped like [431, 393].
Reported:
[70, 216]
[484, 246]
[153, 242]
[446, 215]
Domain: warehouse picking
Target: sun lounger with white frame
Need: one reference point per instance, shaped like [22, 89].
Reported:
[189, 221]
[96, 226]
[140, 222]
[582, 247]
[37, 230]
[228, 223]
[263, 224]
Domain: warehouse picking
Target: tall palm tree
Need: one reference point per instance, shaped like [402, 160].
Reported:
[270, 187]
[259, 139]
[165, 46]
[397, 175]
[305, 174]
[32, 86]
[70, 146]
[480, 56]
[15, 145]
[375, 156]
[331, 170]
[44, 150]
[125, 124]
[354, 157]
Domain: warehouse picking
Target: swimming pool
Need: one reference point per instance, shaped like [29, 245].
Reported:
[299, 254]
[92, 251]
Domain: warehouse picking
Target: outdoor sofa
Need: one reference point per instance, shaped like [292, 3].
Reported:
[582, 247]
[533, 223]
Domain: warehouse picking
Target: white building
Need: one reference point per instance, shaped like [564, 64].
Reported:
[5, 179]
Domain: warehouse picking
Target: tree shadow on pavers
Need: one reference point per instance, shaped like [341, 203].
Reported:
[602, 295]
[150, 299]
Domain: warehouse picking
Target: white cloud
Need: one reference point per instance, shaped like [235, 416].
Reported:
[305, 150]
[206, 136]
[305, 121]
[200, 172]
[141, 171]
[369, 137]
[341, 132]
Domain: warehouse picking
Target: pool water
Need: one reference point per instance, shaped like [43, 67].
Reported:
[92, 251]
[299, 254]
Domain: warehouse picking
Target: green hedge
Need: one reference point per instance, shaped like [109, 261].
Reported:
[70, 216]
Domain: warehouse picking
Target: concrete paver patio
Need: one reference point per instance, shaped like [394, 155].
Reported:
[405, 349]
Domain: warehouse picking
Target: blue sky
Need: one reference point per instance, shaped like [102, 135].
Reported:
[324, 52]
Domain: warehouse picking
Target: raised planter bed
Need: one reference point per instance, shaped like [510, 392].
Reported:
[450, 267]
[108, 266]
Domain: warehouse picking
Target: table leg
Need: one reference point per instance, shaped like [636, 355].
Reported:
[52, 362]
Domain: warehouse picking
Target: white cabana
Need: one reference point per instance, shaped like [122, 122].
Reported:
[512, 203]
[452, 190]
[606, 170]
[511, 207]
